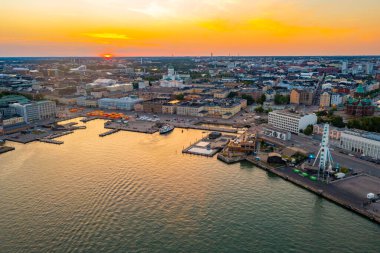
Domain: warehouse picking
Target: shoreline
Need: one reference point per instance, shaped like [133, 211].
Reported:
[316, 190]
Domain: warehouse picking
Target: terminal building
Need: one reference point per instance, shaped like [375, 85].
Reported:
[365, 143]
[290, 121]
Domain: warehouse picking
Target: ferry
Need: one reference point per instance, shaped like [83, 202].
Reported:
[166, 129]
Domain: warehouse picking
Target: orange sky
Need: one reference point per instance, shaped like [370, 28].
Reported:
[189, 27]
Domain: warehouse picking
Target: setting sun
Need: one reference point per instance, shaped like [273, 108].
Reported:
[107, 56]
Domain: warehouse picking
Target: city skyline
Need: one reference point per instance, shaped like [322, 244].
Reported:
[184, 28]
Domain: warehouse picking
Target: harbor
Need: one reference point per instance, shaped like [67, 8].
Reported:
[143, 177]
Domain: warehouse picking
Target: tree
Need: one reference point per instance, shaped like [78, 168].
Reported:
[249, 99]
[262, 99]
[232, 94]
[259, 109]
[180, 97]
[371, 124]
[337, 121]
[308, 130]
[281, 100]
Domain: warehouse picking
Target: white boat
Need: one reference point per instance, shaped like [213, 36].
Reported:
[166, 129]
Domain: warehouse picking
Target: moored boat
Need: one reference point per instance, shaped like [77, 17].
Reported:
[166, 129]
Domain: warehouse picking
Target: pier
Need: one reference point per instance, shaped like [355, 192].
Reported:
[112, 131]
[138, 126]
[208, 146]
[4, 149]
[85, 120]
[51, 141]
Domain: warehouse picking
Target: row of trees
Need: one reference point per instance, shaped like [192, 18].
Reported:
[371, 124]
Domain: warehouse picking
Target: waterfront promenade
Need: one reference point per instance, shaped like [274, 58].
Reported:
[349, 192]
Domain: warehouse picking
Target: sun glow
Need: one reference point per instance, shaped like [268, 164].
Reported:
[107, 56]
[184, 27]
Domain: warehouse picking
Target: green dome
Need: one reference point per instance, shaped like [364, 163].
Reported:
[367, 101]
[351, 100]
[360, 89]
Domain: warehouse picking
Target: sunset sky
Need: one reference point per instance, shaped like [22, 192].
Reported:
[189, 27]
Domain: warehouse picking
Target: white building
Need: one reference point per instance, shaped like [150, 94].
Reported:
[35, 111]
[292, 122]
[362, 142]
[125, 103]
[172, 79]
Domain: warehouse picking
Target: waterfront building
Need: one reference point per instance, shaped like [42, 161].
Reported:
[291, 121]
[325, 100]
[225, 108]
[12, 124]
[170, 107]
[304, 97]
[365, 143]
[12, 121]
[190, 109]
[46, 109]
[35, 111]
[240, 146]
[154, 105]
[7, 111]
[125, 103]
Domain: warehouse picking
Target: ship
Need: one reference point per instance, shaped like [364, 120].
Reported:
[166, 129]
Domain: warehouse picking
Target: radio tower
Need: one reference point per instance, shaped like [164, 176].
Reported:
[324, 155]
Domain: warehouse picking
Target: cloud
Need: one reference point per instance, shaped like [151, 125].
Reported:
[116, 36]
[153, 10]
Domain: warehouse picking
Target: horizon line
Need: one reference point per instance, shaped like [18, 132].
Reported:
[197, 56]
